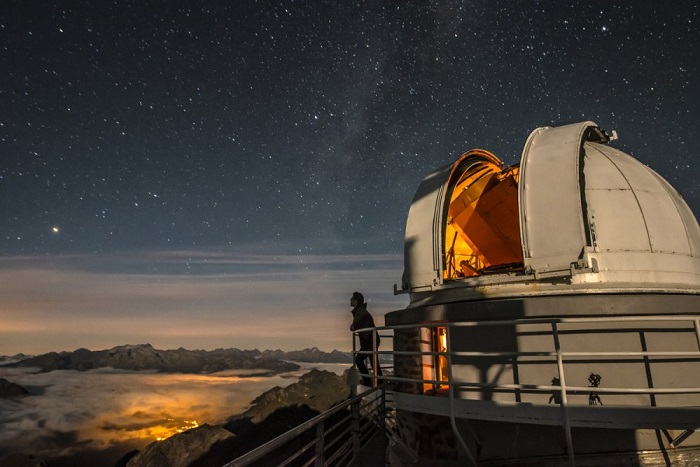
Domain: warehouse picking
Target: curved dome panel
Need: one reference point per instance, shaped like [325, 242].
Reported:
[575, 216]
[629, 207]
[552, 221]
[421, 244]
[690, 223]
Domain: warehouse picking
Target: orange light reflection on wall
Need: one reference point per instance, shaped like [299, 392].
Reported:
[441, 360]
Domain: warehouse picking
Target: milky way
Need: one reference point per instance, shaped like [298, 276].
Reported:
[307, 125]
[304, 127]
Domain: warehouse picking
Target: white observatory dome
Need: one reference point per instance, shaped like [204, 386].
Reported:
[575, 216]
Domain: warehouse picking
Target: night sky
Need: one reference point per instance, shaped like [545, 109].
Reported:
[259, 158]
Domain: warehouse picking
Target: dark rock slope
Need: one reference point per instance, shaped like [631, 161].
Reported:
[9, 389]
[203, 445]
[318, 390]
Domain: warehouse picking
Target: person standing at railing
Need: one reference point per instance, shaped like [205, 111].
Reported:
[362, 319]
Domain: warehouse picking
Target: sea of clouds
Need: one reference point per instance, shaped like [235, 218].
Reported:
[100, 415]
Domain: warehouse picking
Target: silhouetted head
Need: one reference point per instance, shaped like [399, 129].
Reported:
[357, 299]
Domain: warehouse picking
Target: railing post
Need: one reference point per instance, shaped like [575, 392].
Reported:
[375, 359]
[353, 375]
[319, 445]
[647, 366]
[564, 401]
[383, 400]
[355, 433]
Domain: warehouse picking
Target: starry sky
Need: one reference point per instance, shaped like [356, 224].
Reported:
[225, 174]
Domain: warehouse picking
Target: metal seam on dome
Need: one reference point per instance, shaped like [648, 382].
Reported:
[636, 199]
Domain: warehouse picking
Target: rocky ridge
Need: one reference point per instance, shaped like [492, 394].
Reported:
[312, 355]
[9, 389]
[145, 357]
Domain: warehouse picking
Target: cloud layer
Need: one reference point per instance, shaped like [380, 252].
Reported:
[115, 411]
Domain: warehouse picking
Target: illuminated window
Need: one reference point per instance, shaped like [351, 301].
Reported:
[440, 345]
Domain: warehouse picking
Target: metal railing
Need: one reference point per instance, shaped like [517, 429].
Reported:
[335, 437]
[338, 436]
[556, 355]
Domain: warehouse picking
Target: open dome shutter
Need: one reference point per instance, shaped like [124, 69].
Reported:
[553, 221]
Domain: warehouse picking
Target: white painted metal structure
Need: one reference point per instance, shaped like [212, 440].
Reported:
[588, 213]
[580, 247]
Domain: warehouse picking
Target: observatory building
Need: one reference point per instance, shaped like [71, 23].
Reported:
[553, 320]
[554, 311]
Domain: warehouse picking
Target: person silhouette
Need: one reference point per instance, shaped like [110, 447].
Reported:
[362, 319]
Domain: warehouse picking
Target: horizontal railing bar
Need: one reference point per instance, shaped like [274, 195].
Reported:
[342, 422]
[339, 438]
[576, 389]
[298, 453]
[693, 354]
[343, 450]
[544, 389]
[528, 321]
[367, 435]
[414, 353]
[367, 422]
[597, 330]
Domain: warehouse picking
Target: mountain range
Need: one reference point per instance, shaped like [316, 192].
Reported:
[145, 357]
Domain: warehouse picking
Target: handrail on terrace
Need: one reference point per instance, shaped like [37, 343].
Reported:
[555, 354]
[334, 437]
[340, 442]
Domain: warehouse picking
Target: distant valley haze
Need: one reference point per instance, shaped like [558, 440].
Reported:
[91, 412]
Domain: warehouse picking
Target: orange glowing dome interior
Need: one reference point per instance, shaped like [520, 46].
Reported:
[482, 232]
